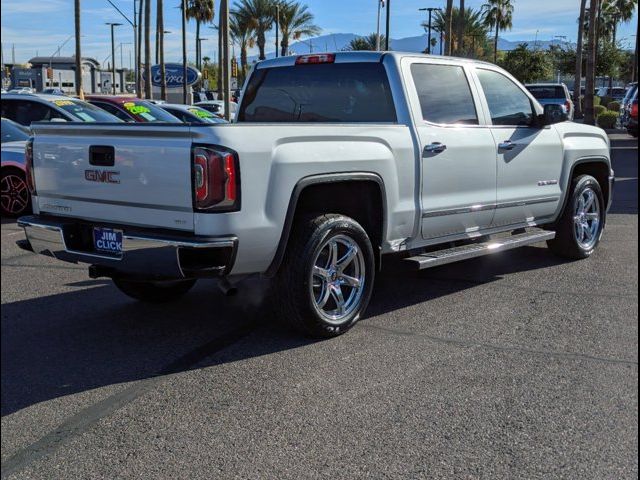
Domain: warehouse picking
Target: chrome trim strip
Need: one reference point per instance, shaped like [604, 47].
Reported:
[115, 202]
[488, 206]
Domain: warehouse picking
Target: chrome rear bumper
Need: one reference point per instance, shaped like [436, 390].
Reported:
[145, 254]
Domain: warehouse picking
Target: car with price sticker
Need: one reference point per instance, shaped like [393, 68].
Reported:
[332, 163]
[191, 113]
[131, 109]
[28, 108]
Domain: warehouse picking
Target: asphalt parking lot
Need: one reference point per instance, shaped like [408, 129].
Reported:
[512, 366]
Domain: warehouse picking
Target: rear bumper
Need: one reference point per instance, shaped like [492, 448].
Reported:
[145, 253]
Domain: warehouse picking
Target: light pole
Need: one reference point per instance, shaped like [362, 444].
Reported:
[135, 37]
[199, 59]
[380, 7]
[430, 10]
[183, 10]
[388, 29]
[57, 52]
[113, 56]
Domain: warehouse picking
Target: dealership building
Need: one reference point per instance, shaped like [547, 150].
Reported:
[61, 72]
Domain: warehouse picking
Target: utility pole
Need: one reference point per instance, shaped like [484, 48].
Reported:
[113, 56]
[135, 40]
[388, 29]
[380, 7]
[430, 10]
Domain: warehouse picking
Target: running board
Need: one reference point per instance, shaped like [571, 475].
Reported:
[465, 252]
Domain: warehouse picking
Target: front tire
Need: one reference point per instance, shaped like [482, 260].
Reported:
[154, 292]
[325, 282]
[580, 228]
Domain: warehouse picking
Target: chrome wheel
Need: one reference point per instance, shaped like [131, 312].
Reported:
[337, 278]
[586, 219]
[15, 194]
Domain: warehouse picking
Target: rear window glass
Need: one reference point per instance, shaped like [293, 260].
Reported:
[542, 93]
[84, 111]
[326, 93]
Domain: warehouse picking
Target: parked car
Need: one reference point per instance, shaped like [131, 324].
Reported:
[15, 198]
[632, 122]
[616, 93]
[22, 90]
[25, 109]
[217, 107]
[131, 109]
[53, 91]
[191, 113]
[332, 162]
[625, 105]
[13, 132]
[553, 94]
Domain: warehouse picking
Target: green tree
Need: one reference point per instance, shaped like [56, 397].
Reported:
[498, 14]
[365, 43]
[202, 11]
[527, 65]
[241, 30]
[475, 30]
[260, 14]
[295, 22]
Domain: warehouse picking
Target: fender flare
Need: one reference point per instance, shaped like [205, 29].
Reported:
[317, 180]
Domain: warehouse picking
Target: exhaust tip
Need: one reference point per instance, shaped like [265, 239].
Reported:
[227, 288]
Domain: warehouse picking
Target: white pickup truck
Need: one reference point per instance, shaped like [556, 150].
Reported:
[332, 162]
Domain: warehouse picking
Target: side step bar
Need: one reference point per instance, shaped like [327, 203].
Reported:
[465, 252]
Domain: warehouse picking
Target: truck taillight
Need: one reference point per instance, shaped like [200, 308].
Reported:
[28, 165]
[316, 59]
[215, 179]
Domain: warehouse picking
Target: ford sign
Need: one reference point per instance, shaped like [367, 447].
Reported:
[173, 74]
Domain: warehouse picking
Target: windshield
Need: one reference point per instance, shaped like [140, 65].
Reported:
[148, 112]
[204, 115]
[84, 111]
[12, 132]
[546, 92]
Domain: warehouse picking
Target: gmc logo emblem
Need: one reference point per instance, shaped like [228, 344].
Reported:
[101, 176]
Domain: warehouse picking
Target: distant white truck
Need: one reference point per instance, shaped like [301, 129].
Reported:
[333, 161]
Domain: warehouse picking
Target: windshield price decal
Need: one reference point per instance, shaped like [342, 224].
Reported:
[63, 103]
[136, 109]
[201, 113]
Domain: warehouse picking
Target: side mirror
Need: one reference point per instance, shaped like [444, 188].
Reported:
[555, 114]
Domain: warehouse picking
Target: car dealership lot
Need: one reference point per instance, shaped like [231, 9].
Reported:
[511, 366]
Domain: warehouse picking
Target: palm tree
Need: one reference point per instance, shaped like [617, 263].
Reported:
[295, 21]
[619, 11]
[448, 30]
[589, 117]
[202, 11]
[147, 48]
[78, 72]
[498, 14]
[260, 15]
[241, 32]
[139, 56]
[460, 29]
[160, 47]
[472, 25]
[365, 43]
[578, 81]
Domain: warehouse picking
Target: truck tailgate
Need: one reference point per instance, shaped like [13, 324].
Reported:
[132, 174]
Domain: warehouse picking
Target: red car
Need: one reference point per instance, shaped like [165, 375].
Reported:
[131, 109]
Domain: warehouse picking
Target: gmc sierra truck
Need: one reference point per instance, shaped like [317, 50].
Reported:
[332, 162]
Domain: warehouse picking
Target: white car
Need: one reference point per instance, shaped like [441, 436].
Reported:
[333, 162]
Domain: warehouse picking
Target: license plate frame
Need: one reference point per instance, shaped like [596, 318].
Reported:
[107, 241]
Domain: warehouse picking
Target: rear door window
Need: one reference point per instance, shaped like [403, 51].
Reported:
[444, 93]
[324, 93]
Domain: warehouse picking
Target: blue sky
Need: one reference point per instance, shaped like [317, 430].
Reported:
[39, 26]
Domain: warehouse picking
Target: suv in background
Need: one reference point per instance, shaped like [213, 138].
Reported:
[28, 108]
[615, 93]
[553, 94]
[625, 105]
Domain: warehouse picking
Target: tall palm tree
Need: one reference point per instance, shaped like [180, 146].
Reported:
[472, 24]
[260, 14]
[620, 11]
[147, 48]
[160, 47]
[241, 31]
[589, 117]
[448, 30]
[460, 29]
[498, 14]
[202, 11]
[139, 56]
[579, 47]
[78, 72]
[295, 21]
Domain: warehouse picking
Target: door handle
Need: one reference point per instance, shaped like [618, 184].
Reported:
[507, 145]
[435, 147]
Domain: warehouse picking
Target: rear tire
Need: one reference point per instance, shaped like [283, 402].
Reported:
[580, 228]
[154, 292]
[325, 282]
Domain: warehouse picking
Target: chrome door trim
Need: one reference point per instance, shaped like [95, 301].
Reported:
[488, 206]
